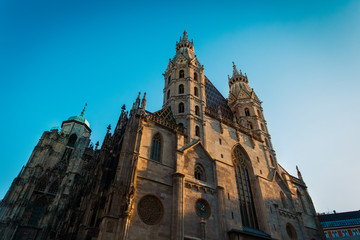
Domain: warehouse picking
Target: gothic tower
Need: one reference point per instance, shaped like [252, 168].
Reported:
[184, 90]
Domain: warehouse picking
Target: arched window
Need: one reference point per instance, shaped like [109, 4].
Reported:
[168, 94]
[169, 79]
[181, 127]
[72, 140]
[196, 91]
[247, 112]
[262, 126]
[181, 107]
[181, 74]
[156, 148]
[250, 126]
[197, 131]
[259, 114]
[291, 232]
[283, 200]
[197, 111]
[195, 76]
[247, 206]
[54, 188]
[199, 173]
[181, 89]
[41, 185]
[272, 161]
[266, 142]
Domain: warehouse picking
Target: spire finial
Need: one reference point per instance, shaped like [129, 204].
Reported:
[185, 37]
[83, 111]
[109, 128]
[298, 173]
[235, 71]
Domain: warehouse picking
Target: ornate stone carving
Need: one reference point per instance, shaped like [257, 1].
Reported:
[150, 210]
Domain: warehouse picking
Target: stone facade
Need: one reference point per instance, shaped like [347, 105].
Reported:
[202, 167]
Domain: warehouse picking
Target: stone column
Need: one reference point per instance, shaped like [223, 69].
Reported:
[177, 223]
[221, 212]
[203, 229]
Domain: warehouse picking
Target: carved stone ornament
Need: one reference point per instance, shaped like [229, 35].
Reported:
[150, 210]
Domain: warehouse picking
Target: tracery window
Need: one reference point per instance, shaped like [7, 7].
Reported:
[197, 131]
[54, 188]
[181, 107]
[181, 89]
[156, 148]
[197, 111]
[195, 76]
[196, 91]
[181, 74]
[41, 185]
[199, 173]
[247, 112]
[247, 206]
[72, 140]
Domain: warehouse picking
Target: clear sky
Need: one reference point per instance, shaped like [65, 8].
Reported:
[302, 59]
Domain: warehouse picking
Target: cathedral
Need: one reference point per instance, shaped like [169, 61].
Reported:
[202, 167]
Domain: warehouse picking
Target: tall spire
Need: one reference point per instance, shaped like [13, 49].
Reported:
[185, 36]
[185, 43]
[83, 111]
[237, 76]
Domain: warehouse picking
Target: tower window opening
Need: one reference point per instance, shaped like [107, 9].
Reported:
[197, 131]
[250, 126]
[72, 140]
[181, 74]
[266, 142]
[195, 76]
[156, 148]
[272, 161]
[262, 127]
[181, 107]
[181, 89]
[197, 111]
[168, 94]
[247, 112]
[199, 173]
[259, 114]
[169, 79]
[196, 91]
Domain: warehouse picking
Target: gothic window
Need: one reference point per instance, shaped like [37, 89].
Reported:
[259, 114]
[272, 161]
[169, 79]
[247, 112]
[195, 76]
[181, 127]
[247, 206]
[199, 173]
[262, 127]
[197, 111]
[197, 131]
[250, 126]
[54, 188]
[150, 210]
[168, 94]
[72, 140]
[156, 147]
[283, 200]
[181, 107]
[181, 74]
[181, 89]
[291, 232]
[36, 215]
[196, 91]
[41, 185]
[266, 142]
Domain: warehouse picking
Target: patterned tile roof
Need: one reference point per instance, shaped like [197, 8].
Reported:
[340, 219]
[215, 100]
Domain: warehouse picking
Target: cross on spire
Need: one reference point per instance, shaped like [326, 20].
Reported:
[83, 111]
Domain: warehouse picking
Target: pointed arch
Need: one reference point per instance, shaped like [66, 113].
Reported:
[243, 179]
[181, 74]
[199, 172]
[181, 107]
[168, 94]
[197, 111]
[156, 148]
[196, 93]
[181, 89]
[169, 79]
[72, 140]
[247, 112]
[283, 200]
[197, 131]
[196, 77]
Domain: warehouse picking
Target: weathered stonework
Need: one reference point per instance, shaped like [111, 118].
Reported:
[202, 167]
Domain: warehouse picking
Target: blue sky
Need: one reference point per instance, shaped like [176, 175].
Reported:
[301, 57]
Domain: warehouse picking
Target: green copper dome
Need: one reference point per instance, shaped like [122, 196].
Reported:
[79, 119]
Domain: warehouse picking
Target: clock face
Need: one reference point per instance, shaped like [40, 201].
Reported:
[202, 208]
